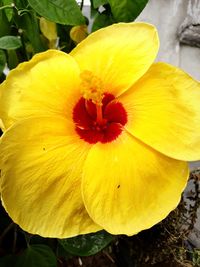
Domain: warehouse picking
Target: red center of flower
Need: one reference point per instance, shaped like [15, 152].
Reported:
[99, 123]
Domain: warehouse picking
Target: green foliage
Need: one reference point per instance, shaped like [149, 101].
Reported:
[2, 60]
[12, 60]
[10, 42]
[60, 11]
[9, 9]
[102, 20]
[98, 3]
[21, 36]
[196, 257]
[36, 256]
[115, 11]
[126, 10]
[4, 23]
[30, 32]
[86, 245]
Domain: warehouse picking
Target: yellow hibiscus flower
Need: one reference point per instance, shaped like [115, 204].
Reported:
[99, 138]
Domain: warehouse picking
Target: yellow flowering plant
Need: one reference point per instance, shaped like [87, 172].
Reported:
[96, 137]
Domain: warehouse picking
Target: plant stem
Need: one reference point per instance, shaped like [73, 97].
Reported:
[82, 4]
[4, 7]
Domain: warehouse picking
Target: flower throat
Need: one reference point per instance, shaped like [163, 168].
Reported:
[98, 116]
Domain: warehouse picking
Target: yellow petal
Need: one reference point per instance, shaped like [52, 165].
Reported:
[41, 161]
[128, 187]
[47, 84]
[119, 54]
[164, 111]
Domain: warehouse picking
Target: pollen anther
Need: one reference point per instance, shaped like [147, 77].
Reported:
[91, 87]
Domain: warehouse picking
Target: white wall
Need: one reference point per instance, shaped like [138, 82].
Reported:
[168, 16]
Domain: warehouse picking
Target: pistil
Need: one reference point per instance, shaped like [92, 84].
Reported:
[92, 89]
[99, 118]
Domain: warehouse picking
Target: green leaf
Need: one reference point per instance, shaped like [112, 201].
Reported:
[86, 245]
[29, 23]
[60, 11]
[102, 20]
[12, 59]
[21, 4]
[8, 11]
[10, 42]
[126, 10]
[98, 3]
[93, 11]
[4, 23]
[2, 60]
[36, 256]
